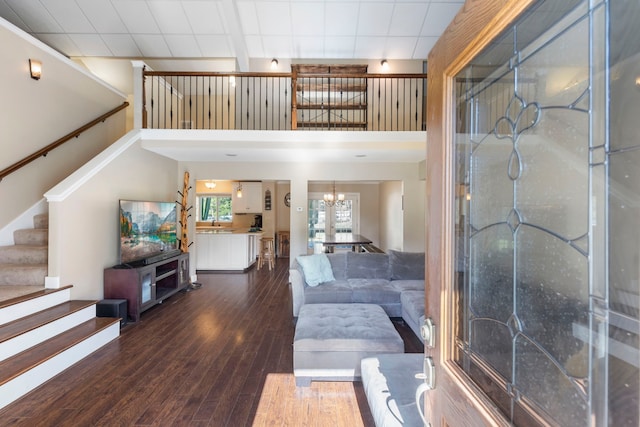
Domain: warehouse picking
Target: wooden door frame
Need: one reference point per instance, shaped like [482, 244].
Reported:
[456, 397]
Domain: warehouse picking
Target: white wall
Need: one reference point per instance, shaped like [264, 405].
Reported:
[391, 216]
[35, 113]
[84, 225]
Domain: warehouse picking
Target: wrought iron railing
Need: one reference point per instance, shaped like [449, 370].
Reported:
[284, 101]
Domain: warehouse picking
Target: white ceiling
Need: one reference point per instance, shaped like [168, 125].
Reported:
[239, 29]
[233, 35]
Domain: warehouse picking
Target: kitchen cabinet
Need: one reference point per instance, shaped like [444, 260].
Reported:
[226, 251]
[251, 200]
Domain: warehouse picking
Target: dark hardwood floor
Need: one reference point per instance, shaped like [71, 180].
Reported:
[220, 355]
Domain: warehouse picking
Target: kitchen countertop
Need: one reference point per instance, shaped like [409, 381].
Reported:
[224, 230]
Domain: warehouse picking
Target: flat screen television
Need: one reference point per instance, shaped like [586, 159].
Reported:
[148, 231]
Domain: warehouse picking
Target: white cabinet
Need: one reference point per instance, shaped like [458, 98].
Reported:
[225, 251]
[251, 200]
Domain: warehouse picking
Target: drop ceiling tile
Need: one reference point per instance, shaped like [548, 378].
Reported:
[374, 19]
[90, 44]
[38, 18]
[183, 45]
[439, 17]
[121, 45]
[407, 19]
[248, 17]
[214, 46]
[274, 18]
[400, 47]
[255, 48]
[308, 47]
[7, 13]
[204, 17]
[103, 16]
[69, 16]
[277, 47]
[152, 45]
[341, 19]
[424, 46]
[136, 16]
[339, 46]
[170, 16]
[60, 42]
[369, 47]
[307, 19]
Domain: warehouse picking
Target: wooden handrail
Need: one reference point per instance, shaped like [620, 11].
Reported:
[44, 151]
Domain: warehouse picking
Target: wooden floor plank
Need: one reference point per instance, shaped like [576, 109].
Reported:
[218, 355]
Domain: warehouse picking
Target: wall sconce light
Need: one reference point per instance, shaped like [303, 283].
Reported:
[239, 191]
[384, 64]
[35, 68]
[274, 64]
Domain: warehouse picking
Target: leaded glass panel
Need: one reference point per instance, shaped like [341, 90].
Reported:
[548, 201]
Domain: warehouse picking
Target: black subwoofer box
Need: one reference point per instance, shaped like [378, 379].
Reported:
[113, 308]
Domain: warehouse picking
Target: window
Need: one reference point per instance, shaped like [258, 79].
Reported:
[215, 207]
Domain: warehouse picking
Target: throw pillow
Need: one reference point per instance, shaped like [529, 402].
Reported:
[316, 269]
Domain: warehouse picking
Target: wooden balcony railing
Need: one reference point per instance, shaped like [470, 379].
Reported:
[284, 101]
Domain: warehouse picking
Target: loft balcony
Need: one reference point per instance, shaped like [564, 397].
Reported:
[309, 98]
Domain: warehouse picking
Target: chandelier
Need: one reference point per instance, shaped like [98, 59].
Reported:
[331, 199]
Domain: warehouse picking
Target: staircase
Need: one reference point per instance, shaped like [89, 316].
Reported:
[42, 331]
[24, 264]
[43, 334]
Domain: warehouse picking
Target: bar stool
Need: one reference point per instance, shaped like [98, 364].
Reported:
[283, 244]
[266, 253]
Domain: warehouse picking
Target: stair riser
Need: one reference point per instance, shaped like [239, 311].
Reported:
[23, 384]
[36, 236]
[21, 254]
[24, 341]
[23, 275]
[27, 308]
[41, 221]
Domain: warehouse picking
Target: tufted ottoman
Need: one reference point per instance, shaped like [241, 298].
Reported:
[331, 339]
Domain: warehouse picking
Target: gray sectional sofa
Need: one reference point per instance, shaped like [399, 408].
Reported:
[370, 278]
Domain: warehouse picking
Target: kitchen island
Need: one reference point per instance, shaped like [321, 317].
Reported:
[226, 249]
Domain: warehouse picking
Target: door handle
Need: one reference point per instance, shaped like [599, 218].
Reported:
[429, 377]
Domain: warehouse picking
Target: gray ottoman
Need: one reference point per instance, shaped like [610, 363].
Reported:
[331, 340]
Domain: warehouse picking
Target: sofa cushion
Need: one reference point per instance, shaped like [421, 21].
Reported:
[374, 291]
[413, 309]
[408, 285]
[338, 265]
[337, 291]
[367, 266]
[390, 385]
[406, 265]
[316, 269]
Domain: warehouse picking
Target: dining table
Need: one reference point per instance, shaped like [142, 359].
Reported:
[356, 241]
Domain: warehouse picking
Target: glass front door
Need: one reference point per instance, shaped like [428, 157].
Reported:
[547, 178]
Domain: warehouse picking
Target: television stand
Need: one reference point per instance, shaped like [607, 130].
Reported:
[146, 285]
